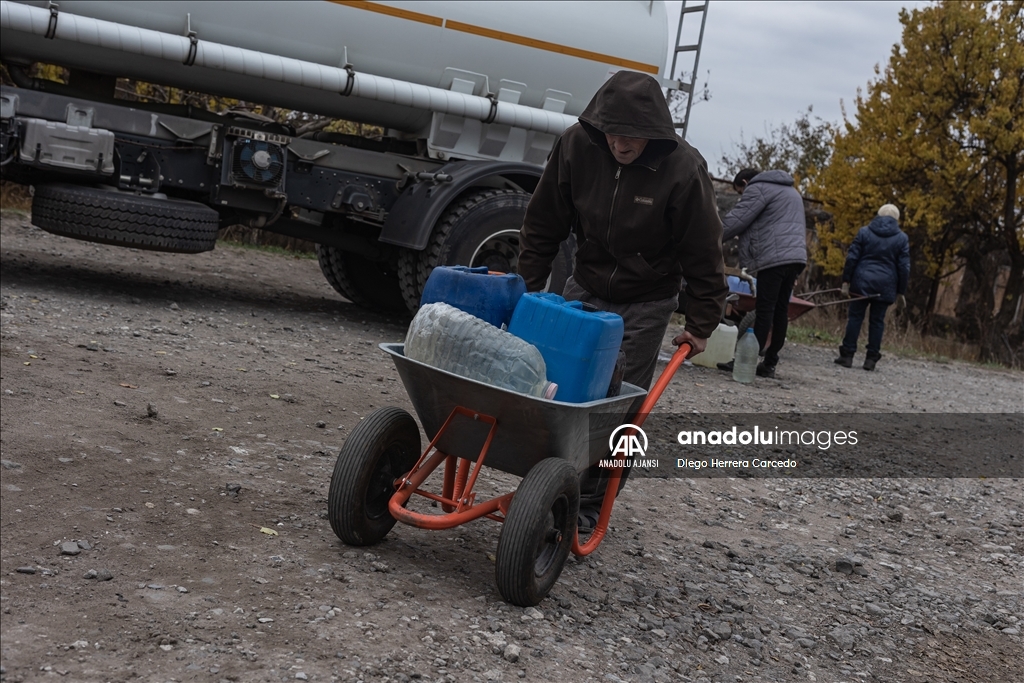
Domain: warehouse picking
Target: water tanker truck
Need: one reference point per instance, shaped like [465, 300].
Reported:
[470, 95]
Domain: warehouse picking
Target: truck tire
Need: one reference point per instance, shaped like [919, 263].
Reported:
[370, 284]
[124, 219]
[325, 257]
[481, 229]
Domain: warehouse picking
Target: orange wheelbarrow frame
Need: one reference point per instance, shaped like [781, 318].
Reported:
[457, 498]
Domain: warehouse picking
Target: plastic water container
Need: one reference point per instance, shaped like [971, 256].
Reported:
[579, 346]
[445, 337]
[738, 285]
[745, 365]
[720, 349]
[490, 297]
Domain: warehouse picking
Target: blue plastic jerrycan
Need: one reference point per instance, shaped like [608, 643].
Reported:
[738, 285]
[579, 346]
[489, 296]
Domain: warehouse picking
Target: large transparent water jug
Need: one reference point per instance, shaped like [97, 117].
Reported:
[720, 349]
[445, 337]
[745, 365]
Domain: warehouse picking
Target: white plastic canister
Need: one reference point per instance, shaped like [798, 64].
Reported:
[721, 346]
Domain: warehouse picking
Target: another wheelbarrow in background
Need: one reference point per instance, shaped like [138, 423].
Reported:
[548, 443]
[740, 306]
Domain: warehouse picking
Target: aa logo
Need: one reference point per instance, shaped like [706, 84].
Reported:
[628, 445]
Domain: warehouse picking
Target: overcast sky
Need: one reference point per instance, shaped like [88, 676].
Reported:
[770, 60]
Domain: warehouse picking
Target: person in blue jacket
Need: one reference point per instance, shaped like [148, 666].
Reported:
[877, 267]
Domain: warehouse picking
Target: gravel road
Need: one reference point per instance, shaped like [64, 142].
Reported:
[161, 412]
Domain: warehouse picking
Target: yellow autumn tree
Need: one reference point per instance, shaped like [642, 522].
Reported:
[940, 133]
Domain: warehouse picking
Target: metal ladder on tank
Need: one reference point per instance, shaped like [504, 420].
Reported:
[688, 9]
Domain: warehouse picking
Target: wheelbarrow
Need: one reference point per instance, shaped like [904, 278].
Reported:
[547, 443]
[740, 307]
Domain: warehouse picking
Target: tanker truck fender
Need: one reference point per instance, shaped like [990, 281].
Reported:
[473, 220]
[412, 218]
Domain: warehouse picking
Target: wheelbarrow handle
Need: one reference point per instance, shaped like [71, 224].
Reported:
[659, 387]
[581, 549]
[808, 295]
[846, 301]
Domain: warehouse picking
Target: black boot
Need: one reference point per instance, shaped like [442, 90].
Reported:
[869, 362]
[727, 367]
[845, 358]
[765, 370]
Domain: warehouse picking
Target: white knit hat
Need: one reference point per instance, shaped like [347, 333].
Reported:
[889, 210]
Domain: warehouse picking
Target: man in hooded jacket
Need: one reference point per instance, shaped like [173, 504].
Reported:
[641, 204]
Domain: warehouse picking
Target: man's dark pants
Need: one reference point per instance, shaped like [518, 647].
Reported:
[876, 325]
[774, 287]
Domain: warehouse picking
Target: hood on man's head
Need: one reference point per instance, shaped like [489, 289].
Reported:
[631, 104]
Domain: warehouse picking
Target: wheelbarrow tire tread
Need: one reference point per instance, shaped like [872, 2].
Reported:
[381, 448]
[526, 568]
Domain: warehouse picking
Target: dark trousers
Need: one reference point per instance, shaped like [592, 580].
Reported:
[774, 287]
[876, 325]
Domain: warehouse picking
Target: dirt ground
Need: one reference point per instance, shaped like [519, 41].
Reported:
[159, 411]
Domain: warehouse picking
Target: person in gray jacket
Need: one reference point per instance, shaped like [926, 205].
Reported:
[769, 221]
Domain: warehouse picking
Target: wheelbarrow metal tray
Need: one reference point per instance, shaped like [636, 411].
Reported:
[529, 429]
[797, 306]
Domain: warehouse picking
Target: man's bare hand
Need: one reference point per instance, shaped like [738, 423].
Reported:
[696, 343]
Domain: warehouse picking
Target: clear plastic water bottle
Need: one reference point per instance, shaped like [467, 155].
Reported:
[445, 337]
[745, 364]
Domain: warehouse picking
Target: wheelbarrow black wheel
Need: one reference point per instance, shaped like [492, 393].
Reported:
[382, 448]
[538, 532]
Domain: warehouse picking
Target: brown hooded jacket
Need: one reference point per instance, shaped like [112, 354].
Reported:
[640, 228]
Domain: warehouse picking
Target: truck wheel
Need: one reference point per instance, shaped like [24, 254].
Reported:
[325, 256]
[481, 229]
[366, 283]
[538, 532]
[382, 448]
[125, 219]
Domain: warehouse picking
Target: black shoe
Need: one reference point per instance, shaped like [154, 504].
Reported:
[726, 366]
[869, 362]
[765, 370]
[845, 358]
[587, 520]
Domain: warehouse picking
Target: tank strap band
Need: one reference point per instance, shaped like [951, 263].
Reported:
[51, 26]
[193, 49]
[350, 82]
[494, 108]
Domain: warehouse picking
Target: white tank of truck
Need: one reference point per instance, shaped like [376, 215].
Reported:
[471, 96]
[557, 53]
